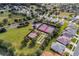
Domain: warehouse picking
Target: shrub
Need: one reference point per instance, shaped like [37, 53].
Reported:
[69, 46]
[66, 54]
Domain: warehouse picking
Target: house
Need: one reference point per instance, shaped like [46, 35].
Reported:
[46, 28]
[71, 25]
[69, 32]
[55, 20]
[33, 34]
[65, 17]
[61, 22]
[36, 25]
[64, 40]
[58, 47]
[75, 18]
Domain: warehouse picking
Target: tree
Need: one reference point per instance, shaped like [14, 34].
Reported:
[12, 51]
[32, 43]
[23, 44]
[24, 19]
[16, 20]
[28, 18]
[1, 12]
[20, 20]
[10, 15]
[6, 45]
[5, 21]
[1, 25]
[38, 52]
[1, 41]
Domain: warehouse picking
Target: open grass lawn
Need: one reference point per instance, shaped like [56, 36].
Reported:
[10, 20]
[64, 14]
[15, 36]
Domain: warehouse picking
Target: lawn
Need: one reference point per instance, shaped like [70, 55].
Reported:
[66, 54]
[10, 20]
[74, 40]
[63, 27]
[69, 46]
[64, 14]
[15, 36]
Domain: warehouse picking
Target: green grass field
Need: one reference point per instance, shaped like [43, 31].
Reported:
[15, 36]
[64, 14]
[10, 20]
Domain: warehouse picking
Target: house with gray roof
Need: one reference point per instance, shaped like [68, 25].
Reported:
[63, 40]
[58, 47]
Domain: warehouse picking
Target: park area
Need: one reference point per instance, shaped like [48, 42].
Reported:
[10, 16]
[16, 36]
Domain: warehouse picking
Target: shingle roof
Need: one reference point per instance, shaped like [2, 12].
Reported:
[55, 20]
[71, 25]
[69, 32]
[46, 28]
[32, 34]
[58, 47]
[64, 40]
[37, 25]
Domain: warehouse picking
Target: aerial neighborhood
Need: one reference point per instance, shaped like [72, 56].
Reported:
[43, 29]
